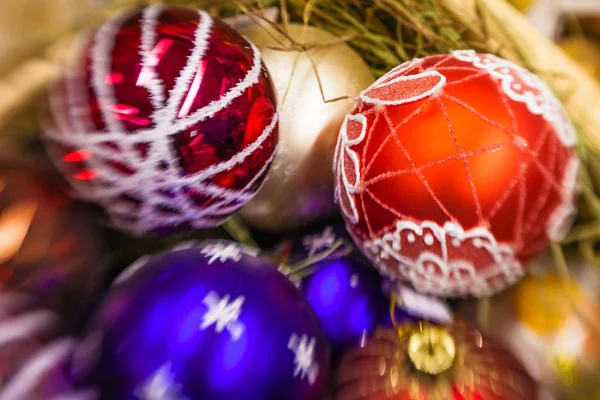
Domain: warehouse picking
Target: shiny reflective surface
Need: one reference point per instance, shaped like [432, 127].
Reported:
[346, 294]
[180, 99]
[210, 322]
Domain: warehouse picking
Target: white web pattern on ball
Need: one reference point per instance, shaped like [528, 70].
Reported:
[147, 183]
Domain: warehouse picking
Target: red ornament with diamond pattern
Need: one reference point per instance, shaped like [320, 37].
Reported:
[454, 170]
[169, 120]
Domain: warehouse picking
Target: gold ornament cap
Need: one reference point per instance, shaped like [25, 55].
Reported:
[431, 349]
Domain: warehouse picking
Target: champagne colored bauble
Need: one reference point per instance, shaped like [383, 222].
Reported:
[169, 122]
[48, 245]
[552, 325]
[432, 363]
[299, 187]
[455, 170]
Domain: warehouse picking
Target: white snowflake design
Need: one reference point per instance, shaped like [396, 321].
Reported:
[223, 314]
[224, 251]
[161, 386]
[145, 183]
[304, 357]
[435, 271]
[319, 241]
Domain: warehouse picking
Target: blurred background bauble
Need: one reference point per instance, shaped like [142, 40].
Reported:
[34, 358]
[49, 247]
[299, 186]
[426, 362]
[551, 324]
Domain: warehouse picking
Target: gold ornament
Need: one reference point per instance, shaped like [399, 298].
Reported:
[431, 350]
[299, 187]
[541, 302]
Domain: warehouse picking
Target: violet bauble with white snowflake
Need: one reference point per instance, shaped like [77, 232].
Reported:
[168, 120]
[211, 322]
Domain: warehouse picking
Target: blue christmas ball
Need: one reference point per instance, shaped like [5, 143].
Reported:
[346, 294]
[344, 290]
[208, 322]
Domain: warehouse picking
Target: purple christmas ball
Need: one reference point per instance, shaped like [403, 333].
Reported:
[210, 322]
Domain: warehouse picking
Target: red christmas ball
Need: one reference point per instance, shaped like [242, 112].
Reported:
[170, 119]
[432, 363]
[452, 171]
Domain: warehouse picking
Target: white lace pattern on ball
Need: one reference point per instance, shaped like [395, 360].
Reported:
[438, 272]
[147, 183]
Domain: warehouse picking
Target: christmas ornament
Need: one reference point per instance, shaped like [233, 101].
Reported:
[170, 120]
[552, 325]
[448, 192]
[299, 188]
[427, 362]
[33, 361]
[349, 297]
[345, 292]
[48, 246]
[209, 321]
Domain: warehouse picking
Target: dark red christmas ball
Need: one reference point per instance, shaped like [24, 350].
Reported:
[432, 363]
[168, 120]
[453, 171]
